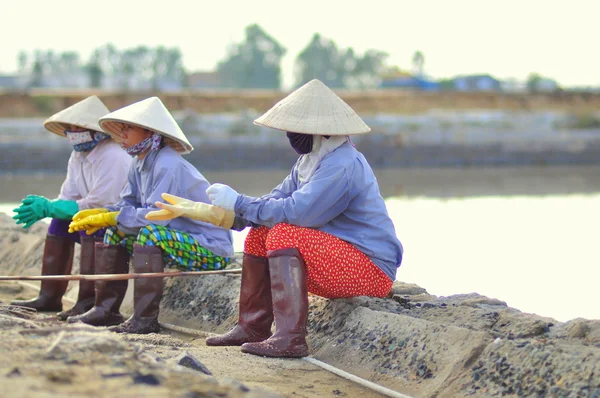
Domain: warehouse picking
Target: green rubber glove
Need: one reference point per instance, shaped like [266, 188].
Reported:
[34, 208]
[25, 218]
[63, 209]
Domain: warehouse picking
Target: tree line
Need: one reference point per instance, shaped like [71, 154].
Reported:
[255, 62]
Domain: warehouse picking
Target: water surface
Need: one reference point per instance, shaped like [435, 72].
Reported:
[527, 236]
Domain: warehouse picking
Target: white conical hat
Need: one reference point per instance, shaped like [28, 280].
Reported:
[313, 109]
[150, 114]
[84, 114]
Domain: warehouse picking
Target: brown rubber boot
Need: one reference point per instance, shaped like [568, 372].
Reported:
[110, 259]
[86, 295]
[255, 308]
[290, 307]
[57, 260]
[147, 293]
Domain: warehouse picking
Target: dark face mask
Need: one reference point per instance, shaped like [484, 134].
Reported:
[302, 143]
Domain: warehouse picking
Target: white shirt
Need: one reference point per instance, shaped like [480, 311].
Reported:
[96, 178]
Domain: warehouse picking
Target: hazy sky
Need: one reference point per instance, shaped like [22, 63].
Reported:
[507, 38]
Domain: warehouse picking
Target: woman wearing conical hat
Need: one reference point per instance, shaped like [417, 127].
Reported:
[95, 177]
[324, 230]
[152, 137]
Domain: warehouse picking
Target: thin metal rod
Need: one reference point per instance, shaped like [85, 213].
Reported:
[115, 277]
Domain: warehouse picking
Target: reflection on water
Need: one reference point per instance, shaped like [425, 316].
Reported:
[540, 254]
[445, 183]
[526, 236]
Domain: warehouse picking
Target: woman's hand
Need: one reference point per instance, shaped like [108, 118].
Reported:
[95, 222]
[181, 207]
[88, 212]
[223, 196]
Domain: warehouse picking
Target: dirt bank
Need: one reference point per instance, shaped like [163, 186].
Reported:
[415, 343]
[40, 102]
[54, 359]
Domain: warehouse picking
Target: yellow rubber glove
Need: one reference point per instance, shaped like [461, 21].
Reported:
[88, 212]
[181, 207]
[93, 223]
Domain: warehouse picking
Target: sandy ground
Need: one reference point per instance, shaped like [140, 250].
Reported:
[44, 357]
[465, 345]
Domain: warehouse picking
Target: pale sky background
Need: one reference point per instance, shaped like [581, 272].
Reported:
[508, 38]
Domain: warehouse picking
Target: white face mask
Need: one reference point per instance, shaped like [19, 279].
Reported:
[81, 141]
[79, 137]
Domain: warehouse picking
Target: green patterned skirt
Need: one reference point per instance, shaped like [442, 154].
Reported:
[180, 249]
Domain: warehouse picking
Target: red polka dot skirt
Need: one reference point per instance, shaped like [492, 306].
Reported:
[334, 268]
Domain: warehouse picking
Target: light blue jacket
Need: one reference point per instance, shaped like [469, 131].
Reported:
[166, 171]
[341, 198]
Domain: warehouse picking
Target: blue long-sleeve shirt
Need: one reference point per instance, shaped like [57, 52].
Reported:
[341, 198]
[166, 171]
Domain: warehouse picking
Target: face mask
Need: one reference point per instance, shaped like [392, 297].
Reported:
[302, 143]
[84, 141]
[153, 143]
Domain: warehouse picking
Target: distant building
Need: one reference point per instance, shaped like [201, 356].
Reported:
[476, 83]
[546, 85]
[168, 84]
[204, 80]
[12, 82]
[408, 81]
[127, 82]
[75, 79]
[513, 86]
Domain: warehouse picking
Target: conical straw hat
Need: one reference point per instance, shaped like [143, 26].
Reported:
[314, 109]
[84, 114]
[150, 114]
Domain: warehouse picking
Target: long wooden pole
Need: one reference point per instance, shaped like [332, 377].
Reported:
[115, 277]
